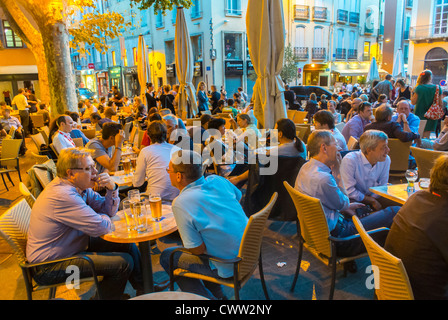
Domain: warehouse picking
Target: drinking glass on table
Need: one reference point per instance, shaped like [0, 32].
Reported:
[127, 166]
[129, 216]
[134, 195]
[134, 163]
[139, 212]
[155, 203]
[411, 176]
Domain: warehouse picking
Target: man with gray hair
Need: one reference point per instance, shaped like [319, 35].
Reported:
[408, 121]
[175, 133]
[366, 168]
[209, 219]
[321, 178]
[68, 218]
[383, 117]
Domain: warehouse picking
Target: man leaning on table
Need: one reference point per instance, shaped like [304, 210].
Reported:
[320, 178]
[210, 220]
[68, 218]
[366, 168]
[106, 157]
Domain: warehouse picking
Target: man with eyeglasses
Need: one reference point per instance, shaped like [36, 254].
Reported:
[68, 218]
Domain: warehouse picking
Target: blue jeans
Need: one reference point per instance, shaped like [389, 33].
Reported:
[197, 265]
[115, 262]
[346, 228]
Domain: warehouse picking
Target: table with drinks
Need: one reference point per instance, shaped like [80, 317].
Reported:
[401, 192]
[142, 220]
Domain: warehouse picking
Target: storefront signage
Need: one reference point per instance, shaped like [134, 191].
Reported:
[91, 66]
[115, 72]
[234, 68]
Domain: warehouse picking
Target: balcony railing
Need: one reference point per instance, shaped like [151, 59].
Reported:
[352, 54]
[366, 57]
[342, 16]
[301, 12]
[319, 13]
[429, 32]
[341, 54]
[319, 54]
[301, 53]
[354, 18]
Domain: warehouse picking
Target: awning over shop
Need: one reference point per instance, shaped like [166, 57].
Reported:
[20, 69]
[355, 72]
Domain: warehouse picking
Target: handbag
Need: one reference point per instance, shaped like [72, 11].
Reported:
[435, 112]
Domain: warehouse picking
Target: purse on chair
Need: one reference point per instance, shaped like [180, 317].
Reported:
[435, 112]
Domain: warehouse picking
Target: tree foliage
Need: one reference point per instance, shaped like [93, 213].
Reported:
[289, 71]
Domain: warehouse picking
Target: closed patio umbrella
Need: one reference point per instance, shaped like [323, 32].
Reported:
[398, 70]
[184, 67]
[143, 71]
[373, 71]
[266, 40]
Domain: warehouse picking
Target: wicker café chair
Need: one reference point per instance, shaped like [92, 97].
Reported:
[393, 280]
[14, 225]
[27, 194]
[244, 264]
[425, 160]
[315, 235]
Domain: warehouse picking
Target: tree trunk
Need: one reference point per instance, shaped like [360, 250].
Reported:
[59, 69]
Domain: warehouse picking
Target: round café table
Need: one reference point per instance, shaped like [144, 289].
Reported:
[154, 231]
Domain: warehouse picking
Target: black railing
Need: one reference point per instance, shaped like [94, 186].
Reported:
[319, 54]
[342, 16]
[301, 12]
[354, 18]
[352, 54]
[301, 53]
[341, 54]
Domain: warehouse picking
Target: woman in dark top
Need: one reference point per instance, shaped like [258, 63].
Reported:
[202, 97]
[418, 236]
[167, 99]
[404, 91]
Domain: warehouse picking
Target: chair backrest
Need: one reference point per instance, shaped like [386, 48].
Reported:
[313, 224]
[38, 140]
[291, 114]
[127, 130]
[14, 225]
[10, 149]
[352, 143]
[133, 133]
[78, 142]
[301, 132]
[399, 154]
[43, 176]
[425, 160]
[40, 158]
[44, 134]
[393, 280]
[27, 194]
[300, 116]
[12, 132]
[421, 127]
[89, 133]
[205, 164]
[140, 137]
[37, 119]
[54, 150]
[46, 129]
[251, 242]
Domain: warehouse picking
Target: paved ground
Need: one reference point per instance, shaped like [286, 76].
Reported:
[279, 261]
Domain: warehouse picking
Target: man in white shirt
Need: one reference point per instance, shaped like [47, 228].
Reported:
[62, 138]
[153, 161]
[366, 168]
[21, 103]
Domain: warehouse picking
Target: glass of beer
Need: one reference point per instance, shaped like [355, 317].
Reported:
[129, 216]
[127, 166]
[134, 163]
[134, 195]
[155, 203]
[139, 212]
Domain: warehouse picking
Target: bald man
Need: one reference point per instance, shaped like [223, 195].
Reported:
[408, 121]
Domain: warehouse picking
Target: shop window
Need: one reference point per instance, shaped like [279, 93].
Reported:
[233, 46]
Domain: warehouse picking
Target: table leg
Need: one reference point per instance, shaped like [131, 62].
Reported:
[148, 281]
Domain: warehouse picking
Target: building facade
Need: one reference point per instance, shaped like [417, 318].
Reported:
[334, 41]
[18, 67]
[428, 39]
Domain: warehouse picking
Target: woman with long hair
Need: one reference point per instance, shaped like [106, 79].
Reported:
[422, 98]
[202, 97]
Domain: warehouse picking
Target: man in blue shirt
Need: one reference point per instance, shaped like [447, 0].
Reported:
[408, 121]
[209, 219]
[355, 127]
[68, 218]
[321, 178]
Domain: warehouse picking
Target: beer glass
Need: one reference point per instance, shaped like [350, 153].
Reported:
[134, 195]
[155, 203]
[139, 212]
[134, 163]
[127, 166]
[129, 216]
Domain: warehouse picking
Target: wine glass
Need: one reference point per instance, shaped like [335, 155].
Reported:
[411, 176]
